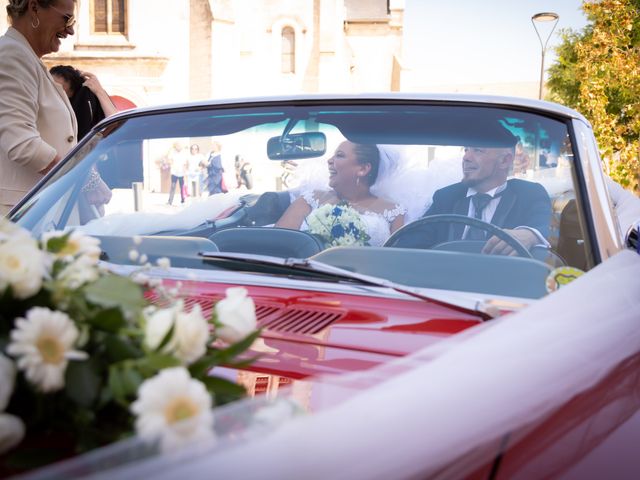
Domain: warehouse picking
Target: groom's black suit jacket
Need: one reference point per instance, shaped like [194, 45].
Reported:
[522, 203]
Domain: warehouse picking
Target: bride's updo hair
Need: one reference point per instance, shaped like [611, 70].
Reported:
[368, 153]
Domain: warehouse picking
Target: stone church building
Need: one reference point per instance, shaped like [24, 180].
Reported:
[165, 51]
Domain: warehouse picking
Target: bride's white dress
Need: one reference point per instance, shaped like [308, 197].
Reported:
[378, 223]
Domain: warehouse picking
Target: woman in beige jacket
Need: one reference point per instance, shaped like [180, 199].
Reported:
[38, 125]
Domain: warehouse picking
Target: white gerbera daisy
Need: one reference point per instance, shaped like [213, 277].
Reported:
[173, 408]
[43, 344]
[22, 265]
[77, 245]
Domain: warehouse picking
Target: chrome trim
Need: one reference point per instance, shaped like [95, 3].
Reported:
[603, 221]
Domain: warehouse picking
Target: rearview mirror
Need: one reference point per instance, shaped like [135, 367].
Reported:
[297, 145]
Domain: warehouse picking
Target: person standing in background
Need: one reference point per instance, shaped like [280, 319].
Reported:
[90, 101]
[178, 161]
[215, 170]
[196, 169]
[91, 104]
[243, 172]
[38, 123]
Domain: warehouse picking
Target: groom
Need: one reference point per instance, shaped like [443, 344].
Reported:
[519, 207]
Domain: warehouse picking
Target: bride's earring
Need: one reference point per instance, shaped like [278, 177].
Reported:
[358, 180]
[36, 24]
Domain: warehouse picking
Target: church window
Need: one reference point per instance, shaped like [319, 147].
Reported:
[288, 50]
[108, 17]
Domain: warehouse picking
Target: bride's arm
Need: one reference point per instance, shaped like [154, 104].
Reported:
[397, 223]
[294, 215]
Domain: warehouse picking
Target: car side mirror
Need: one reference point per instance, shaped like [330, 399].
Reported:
[631, 239]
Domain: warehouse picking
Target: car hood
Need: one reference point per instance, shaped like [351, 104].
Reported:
[308, 333]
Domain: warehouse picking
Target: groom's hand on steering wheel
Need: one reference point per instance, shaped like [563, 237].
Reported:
[495, 246]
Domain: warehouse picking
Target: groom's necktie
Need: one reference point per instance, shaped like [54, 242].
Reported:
[480, 202]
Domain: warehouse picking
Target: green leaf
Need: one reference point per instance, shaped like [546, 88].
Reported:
[56, 244]
[124, 382]
[167, 337]
[157, 361]
[82, 382]
[120, 348]
[223, 356]
[132, 380]
[223, 389]
[117, 385]
[203, 365]
[112, 291]
[243, 363]
[237, 348]
[109, 320]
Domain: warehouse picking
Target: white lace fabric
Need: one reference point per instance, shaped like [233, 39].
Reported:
[378, 223]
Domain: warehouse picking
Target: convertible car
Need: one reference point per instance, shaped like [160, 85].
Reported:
[344, 315]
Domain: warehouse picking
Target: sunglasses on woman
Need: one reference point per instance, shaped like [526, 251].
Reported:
[70, 20]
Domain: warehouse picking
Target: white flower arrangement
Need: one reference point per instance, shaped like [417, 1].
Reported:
[81, 350]
[338, 225]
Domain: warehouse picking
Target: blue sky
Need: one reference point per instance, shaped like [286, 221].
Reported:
[481, 41]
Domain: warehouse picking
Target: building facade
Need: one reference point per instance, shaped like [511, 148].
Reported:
[165, 51]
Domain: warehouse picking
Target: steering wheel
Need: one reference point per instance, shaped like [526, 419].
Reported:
[417, 229]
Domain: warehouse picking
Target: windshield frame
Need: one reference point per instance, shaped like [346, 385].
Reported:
[602, 244]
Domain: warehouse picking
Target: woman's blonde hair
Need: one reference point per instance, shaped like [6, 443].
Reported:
[17, 8]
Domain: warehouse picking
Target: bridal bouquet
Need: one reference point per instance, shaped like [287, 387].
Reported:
[338, 225]
[85, 360]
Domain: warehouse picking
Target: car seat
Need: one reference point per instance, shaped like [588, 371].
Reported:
[271, 241]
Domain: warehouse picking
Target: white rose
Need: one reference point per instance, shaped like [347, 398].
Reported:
[158, 323]
[236, 315]
[11, 432]
[190, 333]
[22, 266]
[7, 380]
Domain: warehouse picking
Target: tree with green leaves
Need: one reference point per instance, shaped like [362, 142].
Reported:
[597, 72]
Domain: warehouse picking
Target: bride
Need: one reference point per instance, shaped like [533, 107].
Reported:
[353, 170]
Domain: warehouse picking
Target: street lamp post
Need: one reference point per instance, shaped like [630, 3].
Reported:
[544, 17]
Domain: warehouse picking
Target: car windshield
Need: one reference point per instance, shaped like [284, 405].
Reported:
[457, 197]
